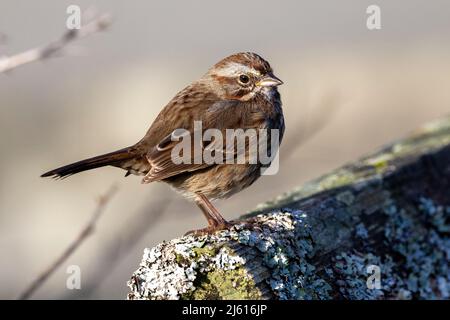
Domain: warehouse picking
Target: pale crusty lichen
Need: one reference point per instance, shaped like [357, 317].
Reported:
[425, 252]
[206, 267]
[414, 264]
[170, 269]
[415, 255]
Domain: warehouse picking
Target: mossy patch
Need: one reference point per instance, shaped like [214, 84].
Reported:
[233, 284]
[208, 251]
[380, 163]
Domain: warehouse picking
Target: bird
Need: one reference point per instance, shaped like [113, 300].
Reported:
[240, 92]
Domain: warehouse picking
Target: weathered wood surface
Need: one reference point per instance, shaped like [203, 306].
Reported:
[389, 210]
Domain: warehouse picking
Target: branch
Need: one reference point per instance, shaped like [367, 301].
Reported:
[76, 243]
[389, 211]
[53, 48]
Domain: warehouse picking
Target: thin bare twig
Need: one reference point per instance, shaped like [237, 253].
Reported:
[118, 248]
[51, 49]
[77, 242]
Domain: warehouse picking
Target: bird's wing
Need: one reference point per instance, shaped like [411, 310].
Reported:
[165, 162]
[169, 158]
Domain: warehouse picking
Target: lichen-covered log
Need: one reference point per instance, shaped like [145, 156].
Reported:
[327, 239]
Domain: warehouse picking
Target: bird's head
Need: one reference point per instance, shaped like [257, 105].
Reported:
[241, 76]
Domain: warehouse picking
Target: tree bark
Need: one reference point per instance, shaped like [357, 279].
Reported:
[377, 228]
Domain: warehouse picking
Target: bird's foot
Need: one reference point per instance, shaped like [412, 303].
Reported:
[223, 226]
[210, 229]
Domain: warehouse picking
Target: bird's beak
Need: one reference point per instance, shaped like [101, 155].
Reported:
[269, 81]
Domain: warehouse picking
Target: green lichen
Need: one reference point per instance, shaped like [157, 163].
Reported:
[337, 180]
[220, 284]
[380, 163]
[233, 284]
[209, 251]
[180, 259]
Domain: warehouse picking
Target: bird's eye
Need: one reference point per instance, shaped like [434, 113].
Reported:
[244, 79]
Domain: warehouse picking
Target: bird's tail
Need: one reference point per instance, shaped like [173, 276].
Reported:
[110, 159]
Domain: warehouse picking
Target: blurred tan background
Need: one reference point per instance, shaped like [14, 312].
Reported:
[347, 91]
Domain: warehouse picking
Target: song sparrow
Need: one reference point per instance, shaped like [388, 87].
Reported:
[239, 92]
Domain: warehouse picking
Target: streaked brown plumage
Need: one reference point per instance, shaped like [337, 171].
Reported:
[239, 92]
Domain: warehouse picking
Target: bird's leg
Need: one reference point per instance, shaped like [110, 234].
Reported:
[215, 219]
[211, 213]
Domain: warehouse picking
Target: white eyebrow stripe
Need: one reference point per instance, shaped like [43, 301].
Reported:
[234, 68]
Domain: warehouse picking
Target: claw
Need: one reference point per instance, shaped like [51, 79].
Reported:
[210, 229]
